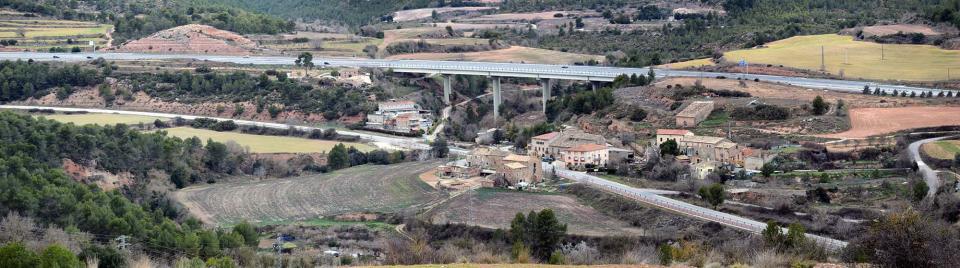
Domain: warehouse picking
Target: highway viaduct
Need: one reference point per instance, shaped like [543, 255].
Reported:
[545, 73]
[545, 80]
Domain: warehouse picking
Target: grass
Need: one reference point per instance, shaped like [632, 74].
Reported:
[263, 143]
[348, 45]
[717, 118]
[901, 62]
[689, 64]
[40, 31]
[102, 119]
[942, 149]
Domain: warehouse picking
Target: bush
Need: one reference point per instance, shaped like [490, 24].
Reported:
[761, 112]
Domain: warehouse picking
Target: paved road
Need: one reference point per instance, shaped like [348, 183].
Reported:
[929, 174]
[381, 141]
[680, 207]
[491, 68]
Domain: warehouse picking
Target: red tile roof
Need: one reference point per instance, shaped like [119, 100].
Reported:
[680, 132]
[589, 147]
[548, 136]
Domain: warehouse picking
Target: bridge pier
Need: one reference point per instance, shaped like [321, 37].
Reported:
[497, 98]
[447, 88]
[546, 87]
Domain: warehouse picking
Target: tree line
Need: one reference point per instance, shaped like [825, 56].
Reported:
[35, 186]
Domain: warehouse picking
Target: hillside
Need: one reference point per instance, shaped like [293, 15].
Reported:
[349, 12]
[193, 38]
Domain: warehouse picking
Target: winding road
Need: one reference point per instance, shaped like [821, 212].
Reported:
[928, 173]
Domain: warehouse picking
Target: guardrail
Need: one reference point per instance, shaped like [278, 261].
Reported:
[684, 208]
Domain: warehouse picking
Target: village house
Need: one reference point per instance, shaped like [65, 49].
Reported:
[517, 169]
[754, 159]
[400, 116]
[552, 144]
[663, 135]
[694, 113]
[594, 155]
[702, 148]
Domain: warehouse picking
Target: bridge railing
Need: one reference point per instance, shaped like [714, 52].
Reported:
[684, 208]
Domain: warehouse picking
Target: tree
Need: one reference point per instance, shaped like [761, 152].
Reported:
[767, 169]
[56, 256]
[796, 235]
[249, 234]
[713, 194]
[920, 190]
[541, 231]
[439, 148]
[866, 89]
[669, 147]
[15, 255]
[773, 234]
[305, 60]
[820, 106]
[338, 158]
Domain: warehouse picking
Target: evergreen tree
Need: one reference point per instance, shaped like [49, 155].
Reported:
[820, 106]
[338, 158]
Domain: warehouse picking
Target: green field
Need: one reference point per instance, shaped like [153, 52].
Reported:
[263, 143]
[942, 149]
[102, 119]
[863, 59]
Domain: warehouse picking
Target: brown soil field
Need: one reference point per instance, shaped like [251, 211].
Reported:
[882, 30]
[423, 13]
[192, 38]
[491, 208]
[868, 122]
[367, 188]
[513, 54]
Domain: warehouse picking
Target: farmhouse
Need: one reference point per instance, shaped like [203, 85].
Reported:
[552, 144]
[501, 166]
[694, 113]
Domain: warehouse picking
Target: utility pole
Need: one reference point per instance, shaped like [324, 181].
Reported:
[122, 242]
[823, 66]
[882, 56]
[279, 245]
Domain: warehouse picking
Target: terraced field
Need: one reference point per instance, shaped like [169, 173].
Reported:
[366, 188]
[38, 34]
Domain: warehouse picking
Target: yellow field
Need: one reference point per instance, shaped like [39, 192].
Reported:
[263, 143]
[102, 119]
[901, 62]
[39, 31]
[688, 64]
[942, 149]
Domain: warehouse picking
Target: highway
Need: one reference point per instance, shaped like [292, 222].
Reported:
[574, 72]
[683, 208]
